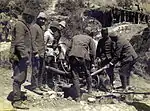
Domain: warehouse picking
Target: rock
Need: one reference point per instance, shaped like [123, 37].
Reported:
[91, 99]
[51, 92]
[53, 96]
[115, 101]
[83, 103]
[138, 97]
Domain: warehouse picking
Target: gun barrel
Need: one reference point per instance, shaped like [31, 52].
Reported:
[98, 71]
[56, 70]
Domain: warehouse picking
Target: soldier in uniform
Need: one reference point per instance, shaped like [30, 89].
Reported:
[144, 43]
[20, 54]
[79, 57]
[38, 63]
[52, 39]
[126, 55]
[104, 51]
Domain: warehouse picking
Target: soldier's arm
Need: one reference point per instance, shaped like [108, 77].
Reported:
[46, 37]
[108, 49]
[117, 52]
[146, 34]
[12, 48]
[34, 35]
[92, 49]
[69, 46]
[18, 40]
[98, 49]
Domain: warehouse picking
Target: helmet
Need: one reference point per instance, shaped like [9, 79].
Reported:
[42, 15]
[62, 23]
[55, 24]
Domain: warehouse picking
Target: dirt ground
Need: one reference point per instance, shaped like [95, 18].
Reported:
[53, 101]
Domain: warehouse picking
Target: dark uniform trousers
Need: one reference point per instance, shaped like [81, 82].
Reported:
[125, 72]
[19, 76]
[38, 67]
[51, 77]
[79, 64]
[109, 71]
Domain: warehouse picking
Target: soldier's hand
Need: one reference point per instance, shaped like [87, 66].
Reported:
[109, 65]
[37, 55]
[27, 61]
[13, 58]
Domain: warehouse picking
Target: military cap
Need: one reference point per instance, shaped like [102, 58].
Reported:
[55, 24]
[42, 15]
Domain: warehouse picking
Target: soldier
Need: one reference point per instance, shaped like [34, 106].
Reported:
[20, 54]
[144, 43]
[52, 37]
[126, 55]
[38, 63]
[104, 51]
[53, 34]
[79, 57]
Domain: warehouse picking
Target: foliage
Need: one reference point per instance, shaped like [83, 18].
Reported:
[124, 3]
[67, 7]
[19, 5]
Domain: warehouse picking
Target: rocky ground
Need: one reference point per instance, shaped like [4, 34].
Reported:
[53, 101]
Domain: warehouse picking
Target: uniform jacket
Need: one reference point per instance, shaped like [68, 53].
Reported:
[124, 51]
[38, 39]
[21, 39]
[82, 46]
[146, 34]
[105, 48]
[48, 37]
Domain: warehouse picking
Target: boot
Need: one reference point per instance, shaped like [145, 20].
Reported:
[19, 105]
[78, 99]
[23, 96]
[38, 91]
[90, 91]
[123, 81]
[89, 84]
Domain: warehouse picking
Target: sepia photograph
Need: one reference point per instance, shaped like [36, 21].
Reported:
[74, 55]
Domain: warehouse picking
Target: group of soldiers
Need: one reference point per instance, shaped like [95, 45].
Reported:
[28, 47]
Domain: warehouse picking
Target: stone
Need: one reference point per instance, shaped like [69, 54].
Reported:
[91, 99]
[138, 97]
